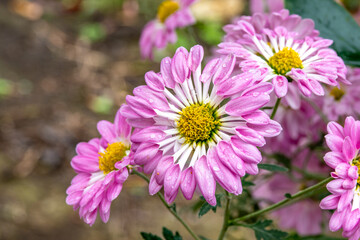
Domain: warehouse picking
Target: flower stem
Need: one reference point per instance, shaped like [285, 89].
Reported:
[275, 108]
[294, 198]
[170, 208]
[226, 217]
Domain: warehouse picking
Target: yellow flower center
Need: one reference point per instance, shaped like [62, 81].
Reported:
[337, 93]
[198, 122]
[112, 154]
[167, 8]
[356, 162]
[285, 60]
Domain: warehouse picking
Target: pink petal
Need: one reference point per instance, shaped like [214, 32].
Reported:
[188, 183]
[280, 85]
[150, 135]
[205, 180]
[107, 130]
[179, 66]
[122, 128]
[209, 70]
[154, 187]
[145, 152]
[195, 57]
[246, 104]
[172, 180]
[348, 149]
[166, 74]
[330, 202]
[224, 69]
[257, 118]
[249, 135]
[154, 81]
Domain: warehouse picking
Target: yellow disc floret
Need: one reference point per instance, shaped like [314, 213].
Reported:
[285, 60]
[337, 93]
[112, 154]
[197, 122]
[356, 162]
[167, 8]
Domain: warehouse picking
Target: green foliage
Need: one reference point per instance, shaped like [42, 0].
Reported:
[101, 104]
[318, 237]
[149, 236]
[273, 167]
[263, 233]
[334, 23]
[210, 32]
[206, 207]
[6, 87]
[104, 6]
[92, 32]
[168, 235]
[281, 158]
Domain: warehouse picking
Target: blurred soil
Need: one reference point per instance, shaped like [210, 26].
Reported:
[56, 86]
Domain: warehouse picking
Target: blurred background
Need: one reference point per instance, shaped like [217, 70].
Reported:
[64, 65]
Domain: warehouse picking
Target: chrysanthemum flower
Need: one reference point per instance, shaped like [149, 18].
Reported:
[191, 133]
[159, 32]
[344, 143]
[285, 50]
[341, 101]
[101, 167]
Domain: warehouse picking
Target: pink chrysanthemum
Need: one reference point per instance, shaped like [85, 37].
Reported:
[159, 32]
[340, 101]
[191, 133]
[344, 143]
[101, 167]
[285, 49]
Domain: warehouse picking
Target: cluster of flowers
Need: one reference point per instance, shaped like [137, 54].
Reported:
[192, 127]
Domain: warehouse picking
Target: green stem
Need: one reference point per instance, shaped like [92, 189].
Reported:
[275, 108]
[226, 217]
[294, 198]
[171, 210]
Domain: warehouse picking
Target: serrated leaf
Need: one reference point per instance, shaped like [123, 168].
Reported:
[206, 207]
[262, 233]
[272, 167]
[334, 23]
[168, 235]
[149, 236]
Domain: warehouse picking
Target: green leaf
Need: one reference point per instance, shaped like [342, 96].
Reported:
[287, 195]
[149, 236]
[283, 159]
[206, 207]
[317, 237]
[272, 167]
[168, 235]
[173, 207]
[334, 23]
[262, 233]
